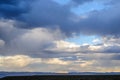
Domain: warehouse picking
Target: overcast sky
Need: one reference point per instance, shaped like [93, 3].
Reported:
[60, 35]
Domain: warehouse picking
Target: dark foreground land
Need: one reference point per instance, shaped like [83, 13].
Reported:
[64, 77]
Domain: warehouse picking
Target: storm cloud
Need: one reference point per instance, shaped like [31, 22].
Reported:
[46, 16]
[13, 8]
[49, 14]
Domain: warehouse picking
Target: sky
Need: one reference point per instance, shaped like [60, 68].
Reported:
[60, 35]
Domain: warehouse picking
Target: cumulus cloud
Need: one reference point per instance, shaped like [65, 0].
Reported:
[56, 61]
[44, 42]
[65, 46]
[107, 45]
[26, 41]
[8, 30]
[14, 61]
[18, 62]
[35, 37]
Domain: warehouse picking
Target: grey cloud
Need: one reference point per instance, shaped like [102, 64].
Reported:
[24, 41]
[81, 1]
[112, 49]
[36, 38]
[101, 23]
[47, 13]
[116, 57]
[8, 30]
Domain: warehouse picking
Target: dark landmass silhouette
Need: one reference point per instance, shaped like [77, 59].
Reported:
[59, 76]
[64, 77]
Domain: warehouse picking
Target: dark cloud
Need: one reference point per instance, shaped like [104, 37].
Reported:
[49, 14]
[13, 8]
[35, 29]
[116, 57]
[8, 1]
[112, 49]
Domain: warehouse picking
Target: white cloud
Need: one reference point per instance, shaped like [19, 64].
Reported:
[7, 24]
[64, 44]
[94, 48]
[36, 39]
[56, 61]
[115, 69]
[14, 61]
[96, 41]
[93, 62]
[110, 41]
[93, 57]
[87, 63]
[18, 62]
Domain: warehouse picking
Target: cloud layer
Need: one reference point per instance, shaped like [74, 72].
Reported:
[45, 13]
[33, 36]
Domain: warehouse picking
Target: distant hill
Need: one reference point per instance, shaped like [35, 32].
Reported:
[4, 74]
